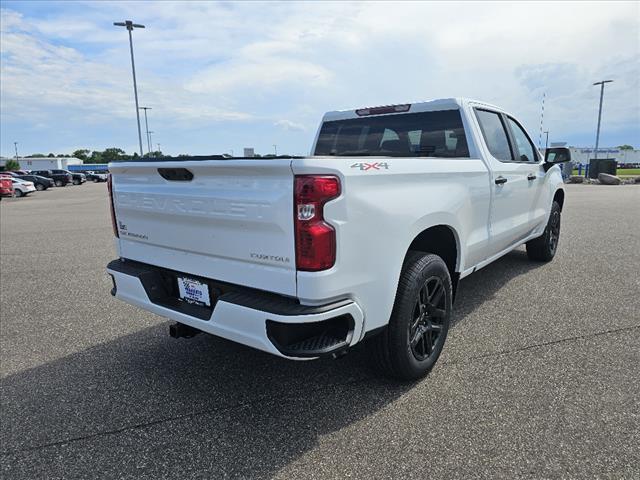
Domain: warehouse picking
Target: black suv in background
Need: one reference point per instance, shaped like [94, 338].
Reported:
[41, 183]
[60, 179]
[77, 178]
[96, 176]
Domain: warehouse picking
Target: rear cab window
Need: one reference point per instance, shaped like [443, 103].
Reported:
[422, 134]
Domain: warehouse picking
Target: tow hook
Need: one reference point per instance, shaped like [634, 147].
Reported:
[180, 330]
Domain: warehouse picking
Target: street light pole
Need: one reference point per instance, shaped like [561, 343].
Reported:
[15, 145]
[159, 151]
[600, 114]
[146, 124]
[275, 149]
[130, 26]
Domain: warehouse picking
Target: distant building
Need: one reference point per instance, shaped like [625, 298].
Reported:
[249, 152]
[582, 155]
[45, 163]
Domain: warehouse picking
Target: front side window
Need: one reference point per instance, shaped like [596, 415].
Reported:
[424, 134]
[525, 152]
[494, 134]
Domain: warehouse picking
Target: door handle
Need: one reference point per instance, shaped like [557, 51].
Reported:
[500, 180]
[531, 176]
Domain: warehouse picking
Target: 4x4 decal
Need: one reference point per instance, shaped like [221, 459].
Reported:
[371, 166]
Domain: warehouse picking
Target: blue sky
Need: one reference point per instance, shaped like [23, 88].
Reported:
[223, 76]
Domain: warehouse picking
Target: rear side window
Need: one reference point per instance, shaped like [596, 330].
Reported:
[424, 134]
[494, 134]
[525, 151]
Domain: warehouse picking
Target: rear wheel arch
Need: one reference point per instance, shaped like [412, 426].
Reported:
[441, 240]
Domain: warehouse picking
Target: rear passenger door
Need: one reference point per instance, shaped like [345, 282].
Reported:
[511, 196]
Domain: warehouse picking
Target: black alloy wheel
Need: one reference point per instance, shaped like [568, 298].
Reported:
[428, 316]
[554, 230]
[543, 248]
[411, 343]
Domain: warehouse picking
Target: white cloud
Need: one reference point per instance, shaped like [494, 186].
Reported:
[289, 125]
[281, 65]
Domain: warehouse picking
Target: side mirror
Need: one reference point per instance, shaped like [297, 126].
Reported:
[556, 155]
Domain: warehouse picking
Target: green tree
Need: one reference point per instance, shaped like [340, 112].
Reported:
[11, 164]
[113, 153]
[82, 154]
[96, 157]
[35, 155]
[51, 155]
[625, 147]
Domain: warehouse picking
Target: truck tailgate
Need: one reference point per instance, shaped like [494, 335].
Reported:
[233, 221]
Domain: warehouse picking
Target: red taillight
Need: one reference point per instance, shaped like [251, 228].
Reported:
[315, 239]
[113, 210]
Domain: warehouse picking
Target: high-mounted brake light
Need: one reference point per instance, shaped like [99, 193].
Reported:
[315, 238]
[111, 206]
[362, 112]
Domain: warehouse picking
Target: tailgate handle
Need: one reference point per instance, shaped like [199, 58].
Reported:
[176, 174]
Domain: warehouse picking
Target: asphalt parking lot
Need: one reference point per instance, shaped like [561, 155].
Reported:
[540, 376]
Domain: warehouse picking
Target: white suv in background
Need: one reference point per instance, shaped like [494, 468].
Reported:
[22, 187]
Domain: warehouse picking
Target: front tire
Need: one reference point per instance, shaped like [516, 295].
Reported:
[543, 248]
[410, 345]
[59, 183]
[76, 182]
[19, 193]
[39, 187]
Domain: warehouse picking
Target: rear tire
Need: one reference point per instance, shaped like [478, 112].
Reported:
[59, 183]
[543, 248]
[410, 345]
[76, 182]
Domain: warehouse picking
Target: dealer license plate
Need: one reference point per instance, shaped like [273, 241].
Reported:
[193, 291]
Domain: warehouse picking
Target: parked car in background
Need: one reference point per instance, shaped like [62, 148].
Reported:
[41, 183]
[22, 188]
[6, 186]
[96, 176]
[76, 178]
[59, 179]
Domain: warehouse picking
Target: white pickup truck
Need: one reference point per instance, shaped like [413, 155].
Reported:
[365, 239]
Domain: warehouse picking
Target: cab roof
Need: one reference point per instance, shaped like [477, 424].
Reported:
[414, 107]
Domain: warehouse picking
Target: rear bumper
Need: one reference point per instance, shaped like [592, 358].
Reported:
[265, 321]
